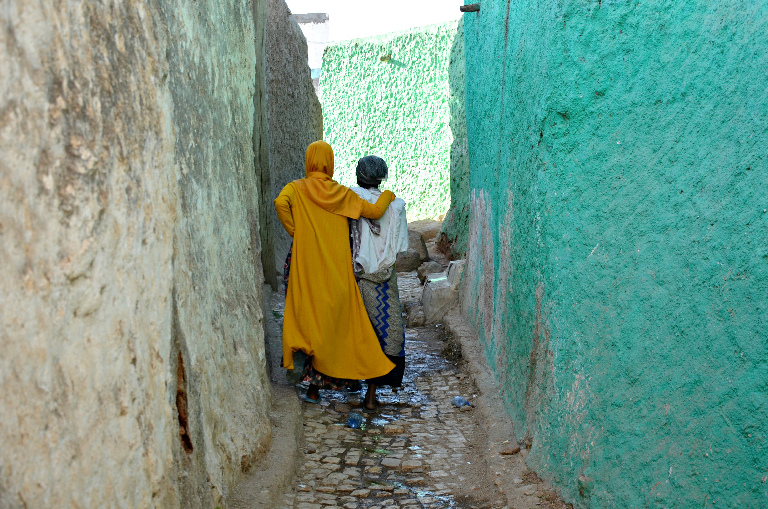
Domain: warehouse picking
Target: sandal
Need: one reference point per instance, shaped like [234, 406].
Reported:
[310, 400]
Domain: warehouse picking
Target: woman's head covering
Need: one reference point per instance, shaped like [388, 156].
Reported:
[371, 170]
[319, 158]
[321, 189]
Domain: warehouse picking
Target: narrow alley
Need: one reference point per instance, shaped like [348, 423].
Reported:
[417, 449]
[583, 189]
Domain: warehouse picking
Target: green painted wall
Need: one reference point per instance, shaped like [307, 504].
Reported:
[618, 249]
[398, 110]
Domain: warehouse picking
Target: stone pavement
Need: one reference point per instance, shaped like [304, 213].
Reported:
[416, 449]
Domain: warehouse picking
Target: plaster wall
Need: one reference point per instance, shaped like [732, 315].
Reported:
[295, 117]
[131, 337]
[617, 266]
[456, 223]
[389, 96]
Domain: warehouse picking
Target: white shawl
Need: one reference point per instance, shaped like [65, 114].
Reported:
[380, 251]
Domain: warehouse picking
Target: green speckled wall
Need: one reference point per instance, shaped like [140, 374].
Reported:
[618, 244]
[389, 96]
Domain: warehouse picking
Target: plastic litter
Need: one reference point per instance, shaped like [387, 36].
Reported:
[460, 401]
[354, 420]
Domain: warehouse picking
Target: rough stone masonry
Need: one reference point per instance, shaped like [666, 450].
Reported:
[131, 338]
[295, 116]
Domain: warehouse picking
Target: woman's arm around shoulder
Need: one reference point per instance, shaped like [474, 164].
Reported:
[376, 210]
[283, 204]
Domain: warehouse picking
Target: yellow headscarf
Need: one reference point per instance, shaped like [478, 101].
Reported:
[319, 158]
[319, 187]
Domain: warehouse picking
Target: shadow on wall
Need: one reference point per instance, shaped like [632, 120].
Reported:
[453, 237]
[295, 118]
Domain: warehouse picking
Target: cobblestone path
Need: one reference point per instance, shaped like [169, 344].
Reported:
[415, 450]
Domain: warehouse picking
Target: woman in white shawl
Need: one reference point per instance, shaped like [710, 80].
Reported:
[375, 245]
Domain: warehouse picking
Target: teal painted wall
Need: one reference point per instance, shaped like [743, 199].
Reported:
[398, 110]
[618, 248]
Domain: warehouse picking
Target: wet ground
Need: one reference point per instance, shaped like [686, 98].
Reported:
[416, 450]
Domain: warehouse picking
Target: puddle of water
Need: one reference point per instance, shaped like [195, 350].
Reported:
[410, 287]
[423, 358]
[420, 360]
[447, 501]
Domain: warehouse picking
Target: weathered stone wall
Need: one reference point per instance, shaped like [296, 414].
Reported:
[618, 253]
[389, 96]
[130, 282]
[295, 116]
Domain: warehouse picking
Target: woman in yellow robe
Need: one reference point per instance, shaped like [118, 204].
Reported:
[324, 312]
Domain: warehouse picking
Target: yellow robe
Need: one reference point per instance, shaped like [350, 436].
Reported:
[324, 312]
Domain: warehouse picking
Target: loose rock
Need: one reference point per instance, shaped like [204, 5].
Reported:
[408, 261]
[415, 316]
[510, 449]
[438, 298]
[428, 228]
[428, 267]
[416, 242]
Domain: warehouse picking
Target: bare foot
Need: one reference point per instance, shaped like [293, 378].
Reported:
[370, 398]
